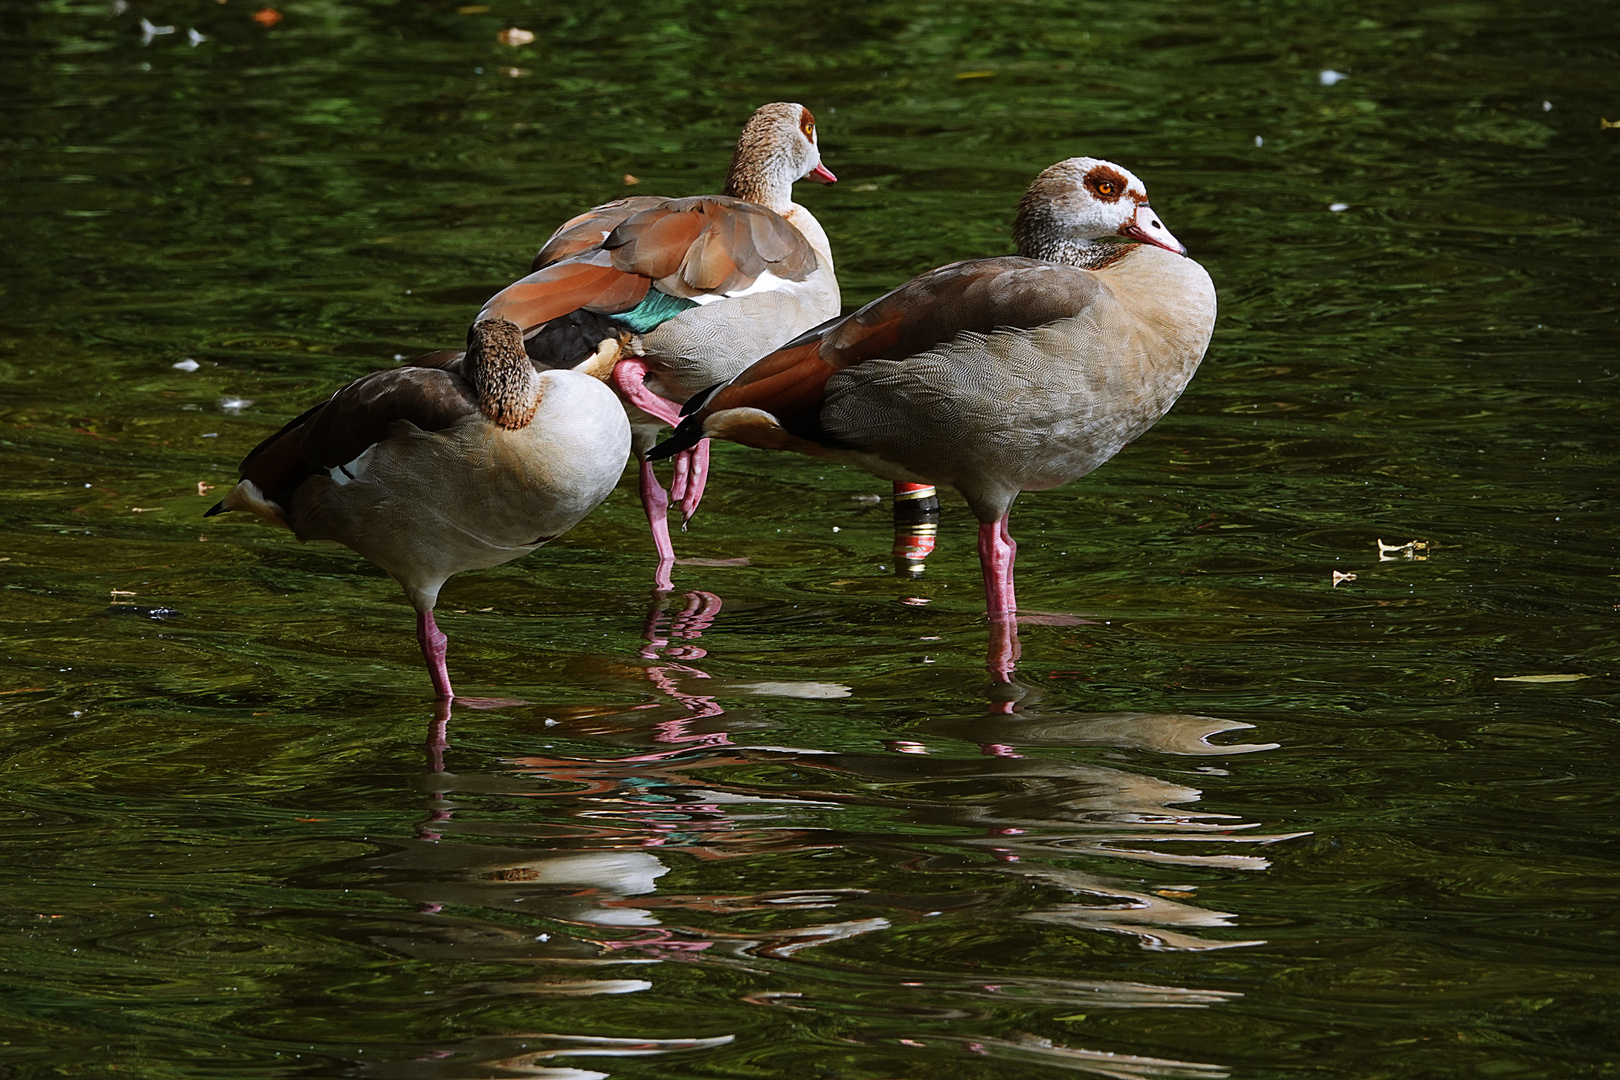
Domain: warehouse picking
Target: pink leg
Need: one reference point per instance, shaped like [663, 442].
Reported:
[700, 477]
[630, 377]
[656, 503]
[433, 650]
[683, 472]
[996, 554]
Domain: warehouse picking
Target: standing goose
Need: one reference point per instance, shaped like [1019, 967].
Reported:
[455, 462]
[995, 376]
[664, 297]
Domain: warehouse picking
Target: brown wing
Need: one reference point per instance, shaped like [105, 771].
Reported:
[432, 396]
[587, 281]
[586, 231]
[694, 247]
[978, 296]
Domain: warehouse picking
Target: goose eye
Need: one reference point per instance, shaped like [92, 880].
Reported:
[1105, 187]
[809, 130]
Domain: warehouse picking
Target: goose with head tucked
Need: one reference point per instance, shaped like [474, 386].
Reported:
[995, 376]
[457, 461]
[663, 297]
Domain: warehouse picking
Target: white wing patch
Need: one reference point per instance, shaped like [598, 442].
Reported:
[766, 282]
[354, 470]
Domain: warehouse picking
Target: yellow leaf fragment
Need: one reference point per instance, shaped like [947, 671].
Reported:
[975, 74]
[472, 9]
[629, 180]
[1607, 124]
[1541, 678]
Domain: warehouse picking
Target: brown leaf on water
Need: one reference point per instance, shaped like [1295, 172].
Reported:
[514, 36]
[472, 9]
[267, 17]
[629, 180]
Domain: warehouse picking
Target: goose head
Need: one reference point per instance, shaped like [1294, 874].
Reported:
[501, 374]
[777, 147]
[1076, 203]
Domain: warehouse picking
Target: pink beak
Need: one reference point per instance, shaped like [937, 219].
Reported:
[1147, 227]
[821, 174]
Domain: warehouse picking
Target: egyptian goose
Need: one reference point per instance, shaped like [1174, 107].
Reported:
[455, 462]
[995, 376]
[667, 296]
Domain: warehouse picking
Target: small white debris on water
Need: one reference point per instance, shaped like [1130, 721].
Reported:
[806, 691]
[836, 529]
[148, 31]
[1258, 141]
[195, 38]
[188, 364]
[234, 405]
[1327, 76]
[1338, 207]
[1546, 106]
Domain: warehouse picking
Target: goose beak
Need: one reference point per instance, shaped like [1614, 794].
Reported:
[1147, 227]
[821, 174]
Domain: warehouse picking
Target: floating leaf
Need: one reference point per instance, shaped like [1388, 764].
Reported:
[1338, 577]
[1541, 678]
[514, 36]
[267, 17]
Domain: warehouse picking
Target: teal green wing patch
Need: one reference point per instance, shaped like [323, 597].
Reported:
[656, 308]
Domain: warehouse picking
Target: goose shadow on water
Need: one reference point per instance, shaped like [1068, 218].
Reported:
[970, 818]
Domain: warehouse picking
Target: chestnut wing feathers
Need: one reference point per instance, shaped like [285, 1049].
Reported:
[586, 231]
[979, 296]
[685, 248]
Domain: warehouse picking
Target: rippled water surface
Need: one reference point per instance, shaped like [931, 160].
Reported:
[1231, 820]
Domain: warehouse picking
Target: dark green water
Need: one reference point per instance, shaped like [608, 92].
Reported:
[1243, 823]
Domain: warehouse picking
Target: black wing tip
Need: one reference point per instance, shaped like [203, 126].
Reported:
[700, 399]
[688, 435]
[217, 508]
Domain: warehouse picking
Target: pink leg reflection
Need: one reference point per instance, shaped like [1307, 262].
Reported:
[438, 740]
[699, 614]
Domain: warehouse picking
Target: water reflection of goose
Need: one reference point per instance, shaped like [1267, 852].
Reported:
[969, 831]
